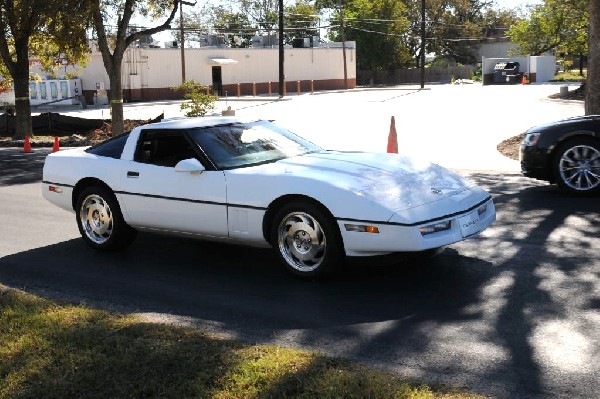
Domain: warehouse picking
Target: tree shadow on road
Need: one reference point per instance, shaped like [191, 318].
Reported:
[19, 168]
[473, 314]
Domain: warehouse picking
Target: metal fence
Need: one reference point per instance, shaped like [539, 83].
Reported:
[413, 75]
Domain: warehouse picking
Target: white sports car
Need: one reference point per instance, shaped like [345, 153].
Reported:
[255, 183]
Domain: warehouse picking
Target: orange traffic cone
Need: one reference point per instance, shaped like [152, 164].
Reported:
[27, 146]
[524, 80]
[392, 146]
[56, 145]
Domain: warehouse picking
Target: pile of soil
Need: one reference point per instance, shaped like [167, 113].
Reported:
[93, 137]
[577, 94]
[510, 147]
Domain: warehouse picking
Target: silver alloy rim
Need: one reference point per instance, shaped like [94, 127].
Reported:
[96, 219]
[301, 241]
[579, 168]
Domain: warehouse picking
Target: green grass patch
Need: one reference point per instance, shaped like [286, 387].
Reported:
[51, 350]
[568, 76]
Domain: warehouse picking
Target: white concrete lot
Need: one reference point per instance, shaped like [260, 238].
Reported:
[456, 126]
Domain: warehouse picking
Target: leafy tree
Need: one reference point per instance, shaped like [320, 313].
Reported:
[300, 20]
[195, 25]
[114, 39]
[235, 25]
[221, 20]
[554, 24]
[453, 27]
[5, 81]
[48, 30]
[379, 28]
[388, 33]
[499, 18]
[199, 100]
[263, 13]
[592, 93]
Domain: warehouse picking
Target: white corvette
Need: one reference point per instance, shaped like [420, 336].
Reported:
[255, 183]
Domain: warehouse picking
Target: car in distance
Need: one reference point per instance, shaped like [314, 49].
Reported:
[255, 183]
[565, 152]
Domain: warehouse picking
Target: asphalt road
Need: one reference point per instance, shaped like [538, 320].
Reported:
[511, 313]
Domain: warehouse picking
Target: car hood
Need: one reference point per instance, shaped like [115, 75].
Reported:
[394, 181]
[583, 122]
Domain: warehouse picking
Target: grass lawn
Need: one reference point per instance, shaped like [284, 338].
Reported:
[52, 350]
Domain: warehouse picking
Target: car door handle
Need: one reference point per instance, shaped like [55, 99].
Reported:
[133, 174]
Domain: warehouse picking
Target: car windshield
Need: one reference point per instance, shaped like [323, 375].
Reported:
[246, 144]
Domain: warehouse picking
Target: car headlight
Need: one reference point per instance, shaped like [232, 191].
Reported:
[482, 209]
[531, 139]
[435, 227]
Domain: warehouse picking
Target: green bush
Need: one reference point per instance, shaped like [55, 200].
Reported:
[200, 102]
[568, 77]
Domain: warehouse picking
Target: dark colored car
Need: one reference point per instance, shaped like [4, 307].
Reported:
[566, 152]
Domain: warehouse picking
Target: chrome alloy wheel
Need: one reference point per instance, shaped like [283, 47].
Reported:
[579, 168]
[301, 241]
[96, 219]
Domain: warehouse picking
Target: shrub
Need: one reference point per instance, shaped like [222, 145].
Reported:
[568, 77]
[200, 102]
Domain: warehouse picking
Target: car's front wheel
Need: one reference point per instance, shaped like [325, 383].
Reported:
[307, 240]
[100, 221]
[577, 166]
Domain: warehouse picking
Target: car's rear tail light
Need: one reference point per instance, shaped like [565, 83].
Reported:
[55, 189]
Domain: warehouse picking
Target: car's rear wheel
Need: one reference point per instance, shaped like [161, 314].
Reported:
[307, 240]
[100, 221]
[577, 166]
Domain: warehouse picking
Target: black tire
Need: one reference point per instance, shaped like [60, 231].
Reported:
[307, 240]
[576, 166]
[100, 220]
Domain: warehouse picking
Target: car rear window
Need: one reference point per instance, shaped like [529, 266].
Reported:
[112, 148]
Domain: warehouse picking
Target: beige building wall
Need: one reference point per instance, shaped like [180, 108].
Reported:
[150, 74]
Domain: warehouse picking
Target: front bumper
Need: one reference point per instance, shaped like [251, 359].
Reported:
[534, 163]
[395, 237]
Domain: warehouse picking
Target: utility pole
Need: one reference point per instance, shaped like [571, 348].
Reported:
[344, 46]
[422, 44]
[281, 53]
[181, 36]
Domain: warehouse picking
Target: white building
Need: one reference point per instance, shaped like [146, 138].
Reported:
[151, 73]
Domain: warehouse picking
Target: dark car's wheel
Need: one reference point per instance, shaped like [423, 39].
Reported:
[307, 240]
[577, 166]
[100, 220]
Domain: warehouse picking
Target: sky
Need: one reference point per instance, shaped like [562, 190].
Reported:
[165, 36]
[515, 3]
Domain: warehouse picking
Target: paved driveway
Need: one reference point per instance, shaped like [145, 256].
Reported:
[512, 313]
[457, 126]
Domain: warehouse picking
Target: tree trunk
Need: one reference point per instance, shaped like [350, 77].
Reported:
[116, 99]
[592, 92]
[22, 107]
[20, 75]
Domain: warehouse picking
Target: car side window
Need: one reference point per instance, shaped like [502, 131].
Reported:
[163, 148]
